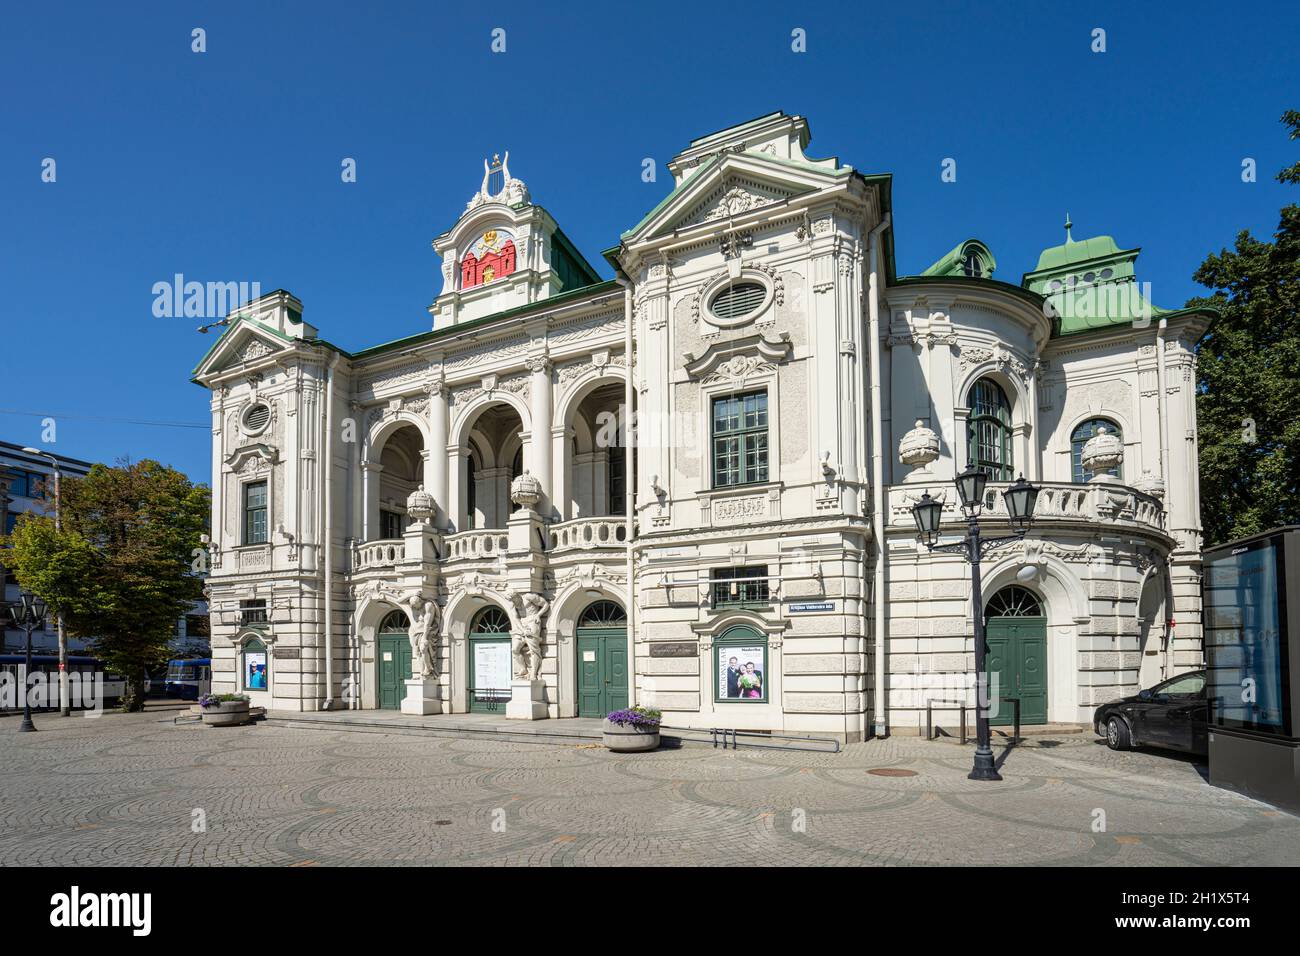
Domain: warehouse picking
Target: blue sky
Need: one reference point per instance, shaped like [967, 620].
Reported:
[224, 166]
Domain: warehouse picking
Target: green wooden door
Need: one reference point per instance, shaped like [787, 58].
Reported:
[1017, 654]
[602, 670]
[394, 666]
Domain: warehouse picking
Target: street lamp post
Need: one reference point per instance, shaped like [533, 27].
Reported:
[1020, 498]
[29, 614]
[65, 703]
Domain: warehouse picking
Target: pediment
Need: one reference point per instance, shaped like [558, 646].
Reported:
[729, 186]
[737, 360]
[244, 343]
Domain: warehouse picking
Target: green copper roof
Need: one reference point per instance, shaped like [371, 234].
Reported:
[1071, 252]
[953, 263]
[1091, 284]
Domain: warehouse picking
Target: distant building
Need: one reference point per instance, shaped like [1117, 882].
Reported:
[31, 488]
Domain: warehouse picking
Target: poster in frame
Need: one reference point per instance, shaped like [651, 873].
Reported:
[741, 669]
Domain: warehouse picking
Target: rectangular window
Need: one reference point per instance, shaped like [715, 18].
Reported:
[390, 524]
[738, 586]
[252, 612]
[740, 439]
[616, 472]
[255, 512]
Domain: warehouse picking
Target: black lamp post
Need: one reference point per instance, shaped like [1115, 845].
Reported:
[1020, 498]
[29, 614]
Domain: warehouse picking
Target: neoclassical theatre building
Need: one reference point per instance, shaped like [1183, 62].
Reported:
[690, 486]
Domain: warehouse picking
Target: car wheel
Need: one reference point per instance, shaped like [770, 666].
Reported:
[1117, 737]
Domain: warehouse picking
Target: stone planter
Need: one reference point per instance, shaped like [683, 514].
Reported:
[230, 713]
[630, 738]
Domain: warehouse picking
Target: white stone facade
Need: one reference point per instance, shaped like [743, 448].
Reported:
[763, 274]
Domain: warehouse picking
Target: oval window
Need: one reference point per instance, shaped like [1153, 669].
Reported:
[739, 300]
[1107, 273]
[256, 417]
[1089, 276]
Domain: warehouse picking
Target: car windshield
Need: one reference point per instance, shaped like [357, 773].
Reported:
[1182, 686]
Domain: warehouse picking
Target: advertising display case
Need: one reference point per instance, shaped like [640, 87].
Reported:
[1251, 599]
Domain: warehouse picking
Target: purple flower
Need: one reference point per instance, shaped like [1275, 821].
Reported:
[636, 716]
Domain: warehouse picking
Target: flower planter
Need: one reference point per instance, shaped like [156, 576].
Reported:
[630, 738]
[230, 713]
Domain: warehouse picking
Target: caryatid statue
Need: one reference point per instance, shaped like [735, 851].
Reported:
[526, 642]
[425, 617]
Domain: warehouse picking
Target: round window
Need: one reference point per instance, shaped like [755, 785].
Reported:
[1107, 273]
[1055, 285]
[256, 417]
[1089, 276]
[737, 301]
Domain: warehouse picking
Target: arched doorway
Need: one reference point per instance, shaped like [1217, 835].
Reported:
[1015, 637]
[602, 659]
[392, 660]
[489, 661]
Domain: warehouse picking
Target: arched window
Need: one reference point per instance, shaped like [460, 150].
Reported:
[394, 621]
[491, 620]
[256, 668]
[603, 614]
[1080, 437]
[989, 430]
[1014, 601]
[972, 265]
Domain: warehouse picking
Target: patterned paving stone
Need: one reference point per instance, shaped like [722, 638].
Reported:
[124, 790]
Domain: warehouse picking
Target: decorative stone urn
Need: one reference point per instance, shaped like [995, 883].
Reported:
[919, 447]
[1150, 484]
[628, 737]
[228, 713]
[526, 491]
[420, 505]
[1102, 452]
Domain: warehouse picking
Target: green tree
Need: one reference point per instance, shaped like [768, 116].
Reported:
[122, 569]
[1248, 402]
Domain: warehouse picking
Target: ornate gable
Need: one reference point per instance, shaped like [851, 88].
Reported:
[244, 343]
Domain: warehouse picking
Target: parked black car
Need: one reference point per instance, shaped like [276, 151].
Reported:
[1173, 714]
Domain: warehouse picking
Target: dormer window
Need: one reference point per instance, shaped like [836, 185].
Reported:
[973, 266]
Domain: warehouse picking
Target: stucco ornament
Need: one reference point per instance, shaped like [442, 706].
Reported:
[420, 505]
[526, 634]
[526, 491]
[1102, 452]
[919, 447]
[1150, 484]
[513, 192]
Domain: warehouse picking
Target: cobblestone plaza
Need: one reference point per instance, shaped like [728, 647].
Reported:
[133, 789]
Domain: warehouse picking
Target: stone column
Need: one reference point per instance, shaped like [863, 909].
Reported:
[370, 471]
[437, 461]
[539, 442]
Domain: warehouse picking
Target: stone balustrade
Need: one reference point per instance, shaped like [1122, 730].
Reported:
[478, 545]
[378, 554]
[588, 533]
[1091, 503]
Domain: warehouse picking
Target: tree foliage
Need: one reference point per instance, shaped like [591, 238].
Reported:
[121, 570]
[1248, 403]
